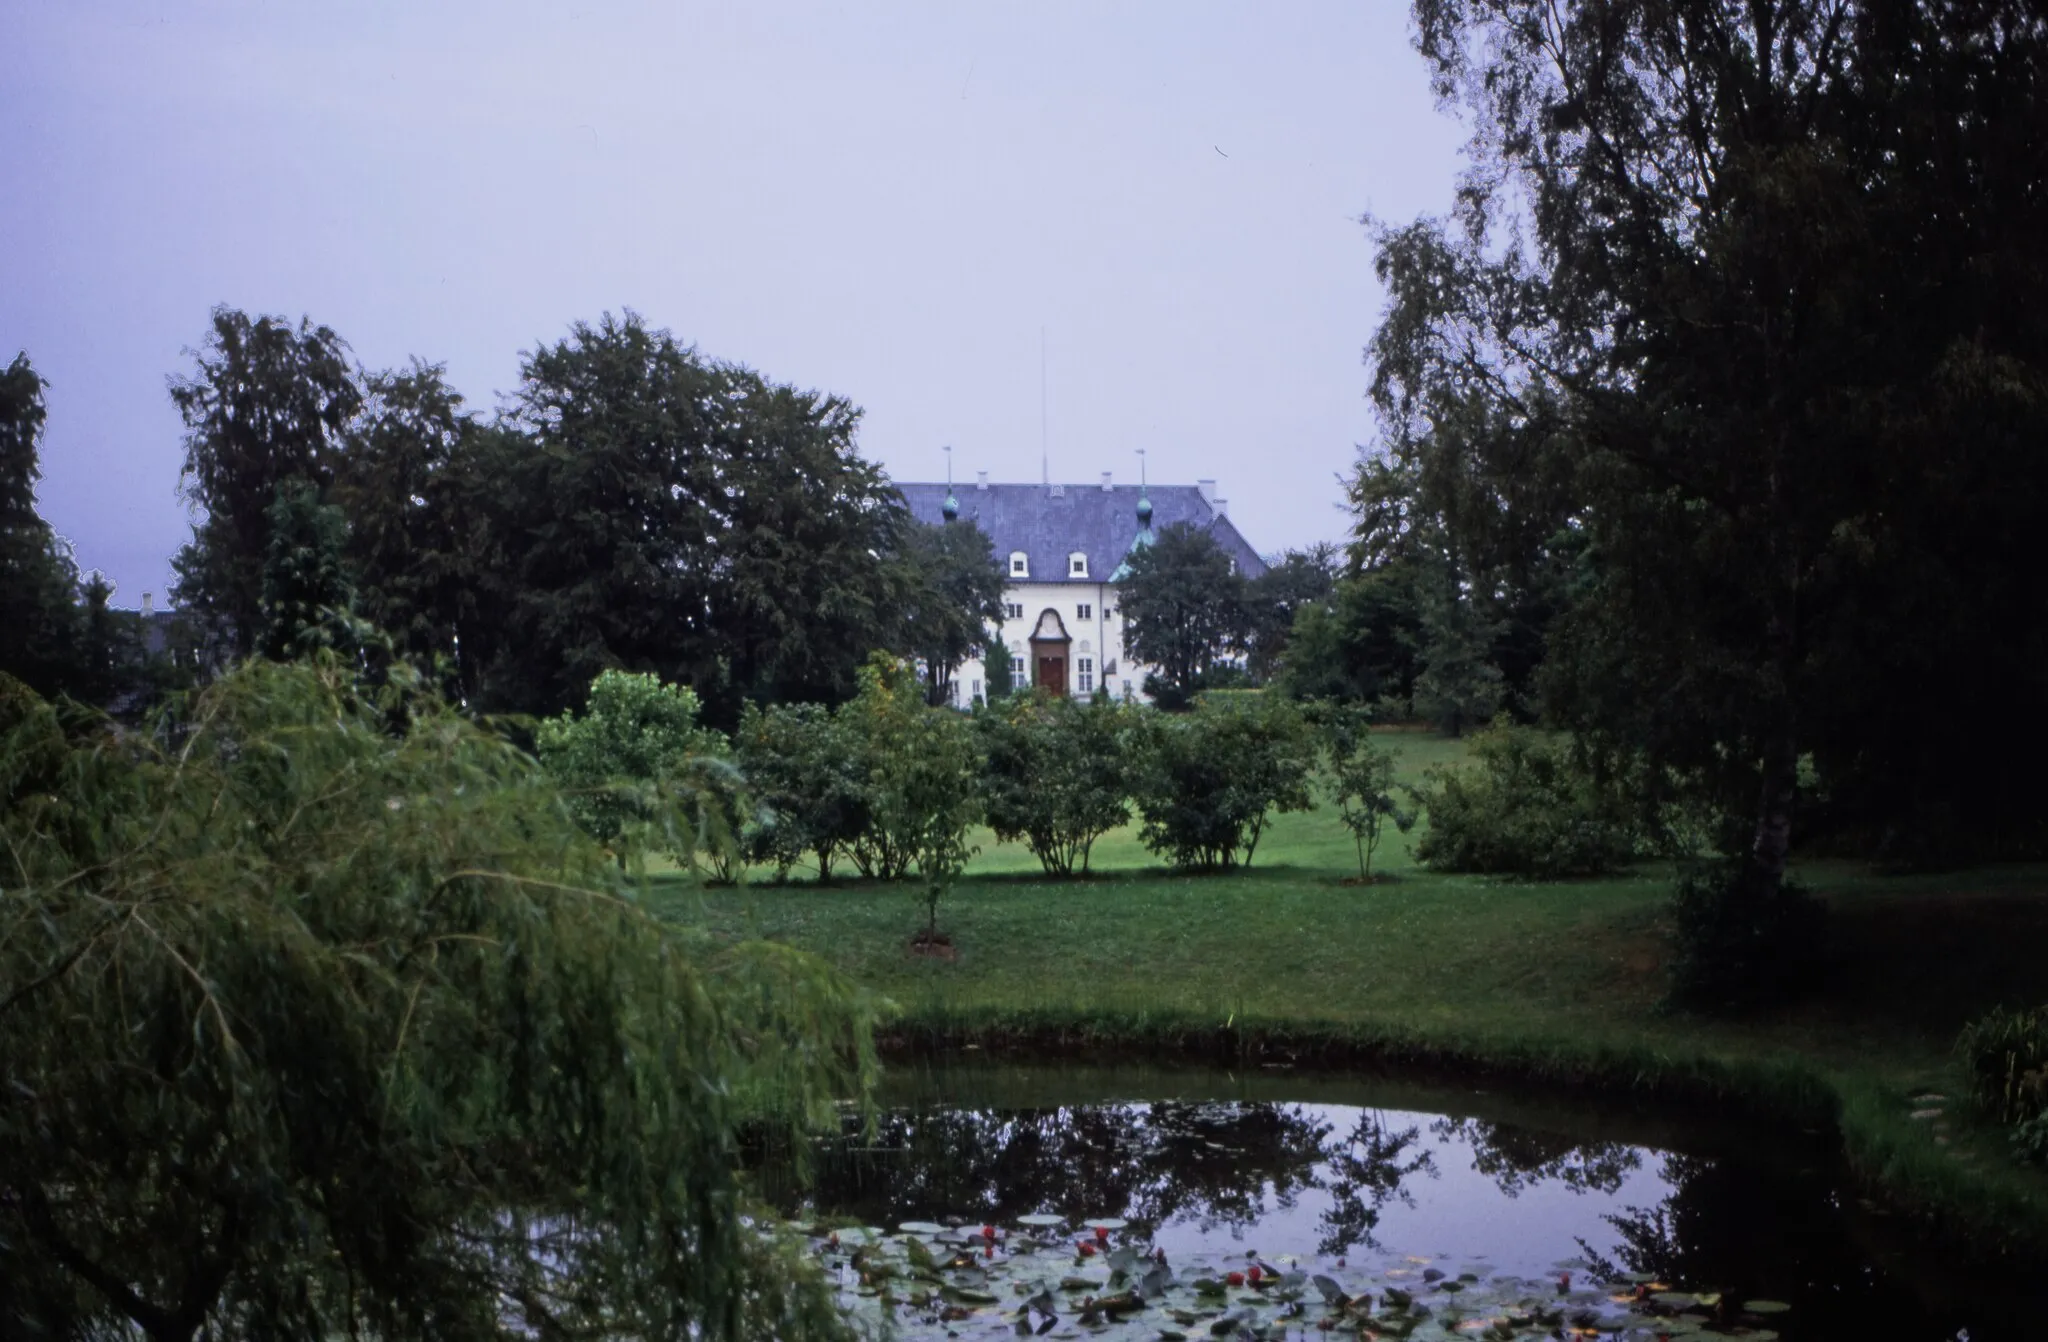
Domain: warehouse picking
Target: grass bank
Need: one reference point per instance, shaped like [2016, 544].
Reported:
[1558, 983]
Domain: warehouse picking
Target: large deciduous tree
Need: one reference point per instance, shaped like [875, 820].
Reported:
[1734, 318]
[399, 481]
[1183, 604]
[266, 405]
[39, 616]
[646, 508]
[1276, 598]
[954, 599]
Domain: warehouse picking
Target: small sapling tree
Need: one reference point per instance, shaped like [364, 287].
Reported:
[1360, 783]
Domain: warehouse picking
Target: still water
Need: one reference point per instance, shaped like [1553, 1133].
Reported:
[1524, 1215]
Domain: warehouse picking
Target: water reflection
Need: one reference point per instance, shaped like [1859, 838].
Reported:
[1381, 1184]
[1210, 1166]
[1516, 1158]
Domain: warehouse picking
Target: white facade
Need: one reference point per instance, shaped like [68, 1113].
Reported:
[1095, 656]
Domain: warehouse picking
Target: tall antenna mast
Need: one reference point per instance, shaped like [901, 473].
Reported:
[1141, 470]
[948, 450]
[1044, 458]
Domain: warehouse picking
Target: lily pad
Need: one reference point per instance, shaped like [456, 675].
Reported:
[1041, 1220]
[1106, 1223]
[1766, 1306]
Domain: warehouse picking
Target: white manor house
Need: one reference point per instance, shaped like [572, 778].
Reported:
[1063, 548]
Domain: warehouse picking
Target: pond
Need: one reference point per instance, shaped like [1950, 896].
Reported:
[1127, 1203]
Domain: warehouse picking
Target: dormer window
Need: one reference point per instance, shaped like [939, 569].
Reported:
[1077, 565]
[1020, 567]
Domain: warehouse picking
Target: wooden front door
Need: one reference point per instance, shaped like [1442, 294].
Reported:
[1052, 673]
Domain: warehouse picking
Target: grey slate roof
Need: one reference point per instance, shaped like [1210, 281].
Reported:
[1096, 521]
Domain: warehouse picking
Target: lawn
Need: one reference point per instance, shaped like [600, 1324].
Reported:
[1558, 978]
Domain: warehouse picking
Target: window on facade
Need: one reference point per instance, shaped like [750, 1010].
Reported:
[1017, 671]
[1084, 674]
[1085, 611]
[1013, 610]
[1020, 567]
[975, 697]
[1077, 565]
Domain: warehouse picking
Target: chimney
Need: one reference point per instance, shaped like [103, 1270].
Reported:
[981, 479]
[1208, 488]
[1105, 482]
[145, 605]
[1223, 507]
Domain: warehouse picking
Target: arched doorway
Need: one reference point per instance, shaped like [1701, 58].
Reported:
[1049, 643]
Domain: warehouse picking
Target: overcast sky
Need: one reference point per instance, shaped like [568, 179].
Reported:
[888, 200]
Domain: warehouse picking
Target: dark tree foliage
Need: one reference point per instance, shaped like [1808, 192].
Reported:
[113, 668]
[995, 667]
[646, 508]
[1276, 598]
[803, 581]
[1184, 609]
[1419, 625]
[266, 405]
[1357, 646]
[39, 616]
[954, 597]
[1734, 335]
[399, 482]
[308, 597]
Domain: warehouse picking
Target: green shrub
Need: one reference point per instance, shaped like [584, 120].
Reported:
[917, 767]
[1055, 774]
[640, 773]
[807, 779]
[2005, 1061]
[1206, 782]
[1522, 808]
[1738, 940]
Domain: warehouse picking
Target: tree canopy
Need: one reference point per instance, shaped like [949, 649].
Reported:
[38, 579]
[1725, 352]
[954, 598]
[266, 405]
[635, 505]
[1183, 604]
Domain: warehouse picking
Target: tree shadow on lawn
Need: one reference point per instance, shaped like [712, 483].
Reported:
[1929, 961]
